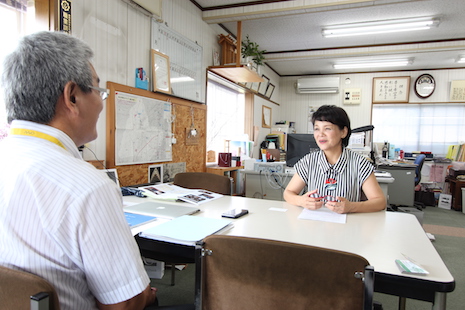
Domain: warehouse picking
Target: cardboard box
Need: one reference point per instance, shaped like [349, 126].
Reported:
[445, 201]
[155, 269]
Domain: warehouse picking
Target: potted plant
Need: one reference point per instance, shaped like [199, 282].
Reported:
[251, 50]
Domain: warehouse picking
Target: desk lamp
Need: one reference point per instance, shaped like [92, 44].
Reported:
[365, 129]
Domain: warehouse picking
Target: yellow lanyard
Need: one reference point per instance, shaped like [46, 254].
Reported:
[37, 134]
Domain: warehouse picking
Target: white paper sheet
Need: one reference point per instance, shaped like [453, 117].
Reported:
[323, 214]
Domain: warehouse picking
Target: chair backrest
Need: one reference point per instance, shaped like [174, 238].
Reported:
[419, 161]
[249, 273]
[17, 288]
[204, 180]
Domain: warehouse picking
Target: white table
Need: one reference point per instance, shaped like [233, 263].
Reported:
[380, 237]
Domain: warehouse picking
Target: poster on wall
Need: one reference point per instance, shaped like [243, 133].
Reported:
[457, 91]
[185, 58]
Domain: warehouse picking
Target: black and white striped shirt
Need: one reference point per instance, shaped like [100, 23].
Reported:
[343, 179]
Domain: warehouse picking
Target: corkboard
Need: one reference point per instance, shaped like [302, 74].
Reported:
[194, 155]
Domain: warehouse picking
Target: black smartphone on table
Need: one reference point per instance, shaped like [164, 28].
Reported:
[235, 213]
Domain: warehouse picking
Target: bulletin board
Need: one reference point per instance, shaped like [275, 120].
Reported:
[192, 157]
[185, 61]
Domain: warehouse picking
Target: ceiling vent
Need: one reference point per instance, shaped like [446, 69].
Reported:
[318, 85]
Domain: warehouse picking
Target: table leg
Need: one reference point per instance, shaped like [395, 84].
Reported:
[439, 301]
[402, 302]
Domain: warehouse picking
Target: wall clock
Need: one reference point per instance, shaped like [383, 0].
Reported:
[424, 86]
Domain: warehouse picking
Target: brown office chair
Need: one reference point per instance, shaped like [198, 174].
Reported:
[249, 273]
[204, 180]
[23, 290]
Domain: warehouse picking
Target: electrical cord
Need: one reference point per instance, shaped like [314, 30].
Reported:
[125, 191]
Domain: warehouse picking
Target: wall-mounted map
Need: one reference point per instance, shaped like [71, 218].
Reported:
[143, 130]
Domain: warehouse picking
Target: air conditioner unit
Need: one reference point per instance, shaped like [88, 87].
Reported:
[318, 85]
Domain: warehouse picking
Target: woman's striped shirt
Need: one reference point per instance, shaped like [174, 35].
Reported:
[343, 179]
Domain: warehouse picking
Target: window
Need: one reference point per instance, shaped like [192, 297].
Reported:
[226, 109]
[13, 23]
[419, 127]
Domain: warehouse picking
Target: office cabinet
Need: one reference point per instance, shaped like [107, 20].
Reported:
[456, 191]
[402, 190]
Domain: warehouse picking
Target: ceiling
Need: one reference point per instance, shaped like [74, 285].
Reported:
[290, 32]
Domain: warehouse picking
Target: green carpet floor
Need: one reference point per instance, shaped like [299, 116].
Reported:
[448, 227]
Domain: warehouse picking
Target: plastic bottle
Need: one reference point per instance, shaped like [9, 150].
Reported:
[385, 150]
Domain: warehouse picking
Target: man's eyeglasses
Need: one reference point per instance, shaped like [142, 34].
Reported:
[103, 92]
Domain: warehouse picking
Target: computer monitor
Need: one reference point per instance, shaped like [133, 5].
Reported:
[298, 145]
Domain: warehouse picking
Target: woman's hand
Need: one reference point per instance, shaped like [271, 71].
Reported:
[340, 206]
[311, 200]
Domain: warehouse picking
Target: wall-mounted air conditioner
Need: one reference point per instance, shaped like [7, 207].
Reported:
[317, 85]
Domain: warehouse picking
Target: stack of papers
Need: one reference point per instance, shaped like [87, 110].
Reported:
[170, 191]
[323, 214]
[186, 229]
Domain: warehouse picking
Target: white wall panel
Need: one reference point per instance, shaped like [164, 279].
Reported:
[294, 107]
[120, 37]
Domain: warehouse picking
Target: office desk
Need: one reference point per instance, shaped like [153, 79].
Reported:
[456, 191]
[261, 185]
[380, 237]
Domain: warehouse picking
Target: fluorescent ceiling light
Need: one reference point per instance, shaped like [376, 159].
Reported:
[373, 64]
[461, 59]
[181, 79]
[383, 26]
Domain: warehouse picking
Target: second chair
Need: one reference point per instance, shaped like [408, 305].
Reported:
[250, 273]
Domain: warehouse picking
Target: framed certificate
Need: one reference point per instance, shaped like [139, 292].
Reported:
[263, 85]
[269, 90]
[266, 117]
[391, 89]
[161, 72]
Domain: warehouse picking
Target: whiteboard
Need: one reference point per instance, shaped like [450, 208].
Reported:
[185, 61]
[143, 129]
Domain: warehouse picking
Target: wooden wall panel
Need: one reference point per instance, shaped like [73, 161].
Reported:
[193, 155]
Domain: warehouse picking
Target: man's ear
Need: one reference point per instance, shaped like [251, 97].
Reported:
[70, 93]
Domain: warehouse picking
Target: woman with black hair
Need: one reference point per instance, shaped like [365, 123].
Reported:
[335, 176]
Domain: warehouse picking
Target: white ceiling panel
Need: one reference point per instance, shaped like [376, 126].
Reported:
[290, 32]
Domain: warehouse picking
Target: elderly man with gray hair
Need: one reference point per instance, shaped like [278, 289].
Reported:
[60, 218]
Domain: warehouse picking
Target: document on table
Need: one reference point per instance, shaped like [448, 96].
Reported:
[186, 229]
[323, 214]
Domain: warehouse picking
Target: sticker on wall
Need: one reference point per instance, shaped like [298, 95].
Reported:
[352, 96]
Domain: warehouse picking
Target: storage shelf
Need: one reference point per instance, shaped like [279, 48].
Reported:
[237, 74]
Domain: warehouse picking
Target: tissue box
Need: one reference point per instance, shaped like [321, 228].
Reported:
[155, 269]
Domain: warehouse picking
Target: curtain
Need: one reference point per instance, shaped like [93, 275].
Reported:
[419, 127]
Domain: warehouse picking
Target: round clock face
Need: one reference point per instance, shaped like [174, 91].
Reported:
[424, 86]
